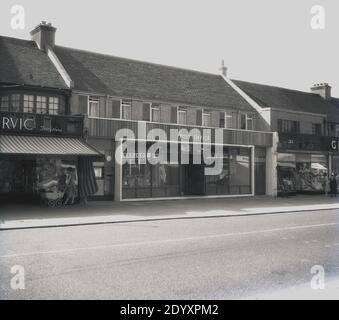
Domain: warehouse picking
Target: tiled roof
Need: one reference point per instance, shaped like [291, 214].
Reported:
[287, 99]
[21, 62]
[98, 73]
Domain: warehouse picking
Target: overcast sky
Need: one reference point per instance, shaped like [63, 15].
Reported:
[261, 41]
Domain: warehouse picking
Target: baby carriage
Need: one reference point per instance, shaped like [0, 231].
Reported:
[50, 195]
[51, 198]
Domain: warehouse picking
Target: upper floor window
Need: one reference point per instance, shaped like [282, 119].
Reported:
[316, 129]
[206, 119]
[249, 122]
[41, 105]
[182, 115]
[15, 102]
[93, 107]
[53, 105]
[28, 103]
[126, 109]
[155, 112]
[226, 119]
[288, 126]
[4, 103]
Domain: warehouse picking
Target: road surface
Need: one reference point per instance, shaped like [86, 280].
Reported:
[212, 258]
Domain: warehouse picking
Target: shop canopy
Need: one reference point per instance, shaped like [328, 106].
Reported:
[30, 145]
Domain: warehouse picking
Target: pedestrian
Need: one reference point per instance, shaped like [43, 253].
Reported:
[333, 185]
[326, 184]
[70, 186]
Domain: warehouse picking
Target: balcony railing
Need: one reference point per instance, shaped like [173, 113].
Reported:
[107, 128]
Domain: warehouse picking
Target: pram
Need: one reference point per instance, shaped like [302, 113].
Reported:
[50, 194]
[51, 198]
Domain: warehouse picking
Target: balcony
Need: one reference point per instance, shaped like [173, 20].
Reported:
[107, 128]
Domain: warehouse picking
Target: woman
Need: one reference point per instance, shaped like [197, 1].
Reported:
[333, 185]
[70, 186]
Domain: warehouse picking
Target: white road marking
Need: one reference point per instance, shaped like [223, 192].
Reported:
[120, 245]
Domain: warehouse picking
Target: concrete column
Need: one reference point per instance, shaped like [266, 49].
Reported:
[271, 167]
[118, 172]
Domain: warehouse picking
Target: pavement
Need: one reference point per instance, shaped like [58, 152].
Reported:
[268, 256]
[16, 216]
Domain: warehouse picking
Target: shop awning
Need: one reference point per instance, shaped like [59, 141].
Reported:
[21, 145]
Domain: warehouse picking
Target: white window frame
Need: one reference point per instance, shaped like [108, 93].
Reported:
[41, 101]
[183, 110]
[55, 101]
[228, 115]
[154, 106]
[29, 101]
[92, 100]
[206, 113]
[251, 118]
[125, 103]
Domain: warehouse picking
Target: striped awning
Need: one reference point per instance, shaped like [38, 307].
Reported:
[45, 146]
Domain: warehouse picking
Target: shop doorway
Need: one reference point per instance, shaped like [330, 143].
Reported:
[193, 179]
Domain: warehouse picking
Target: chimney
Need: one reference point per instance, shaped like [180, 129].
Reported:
[223, 69]
[323, 89]
[44, 35]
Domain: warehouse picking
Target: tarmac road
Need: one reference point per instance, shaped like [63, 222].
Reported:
[211, 258]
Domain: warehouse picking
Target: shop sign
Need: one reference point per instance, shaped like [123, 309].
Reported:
[9, 123]
[334, 144]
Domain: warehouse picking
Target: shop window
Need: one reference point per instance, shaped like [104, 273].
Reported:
[206, 119]
[93, 107]
[126, 109]
[99, 172]
[316, 129]
[4, 103]
[155, 112]
[15, 102]
[182, 115]
[28, 103]
[41, 105]
[53, 105]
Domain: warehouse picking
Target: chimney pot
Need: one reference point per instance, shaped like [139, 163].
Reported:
[44, 35]
[322, 89]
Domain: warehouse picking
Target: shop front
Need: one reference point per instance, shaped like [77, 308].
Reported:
[47, 167]
[304, 164]
[182, 178]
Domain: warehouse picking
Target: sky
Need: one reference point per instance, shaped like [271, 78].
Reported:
[262, 41]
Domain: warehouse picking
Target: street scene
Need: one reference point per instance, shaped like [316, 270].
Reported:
[170, 151]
